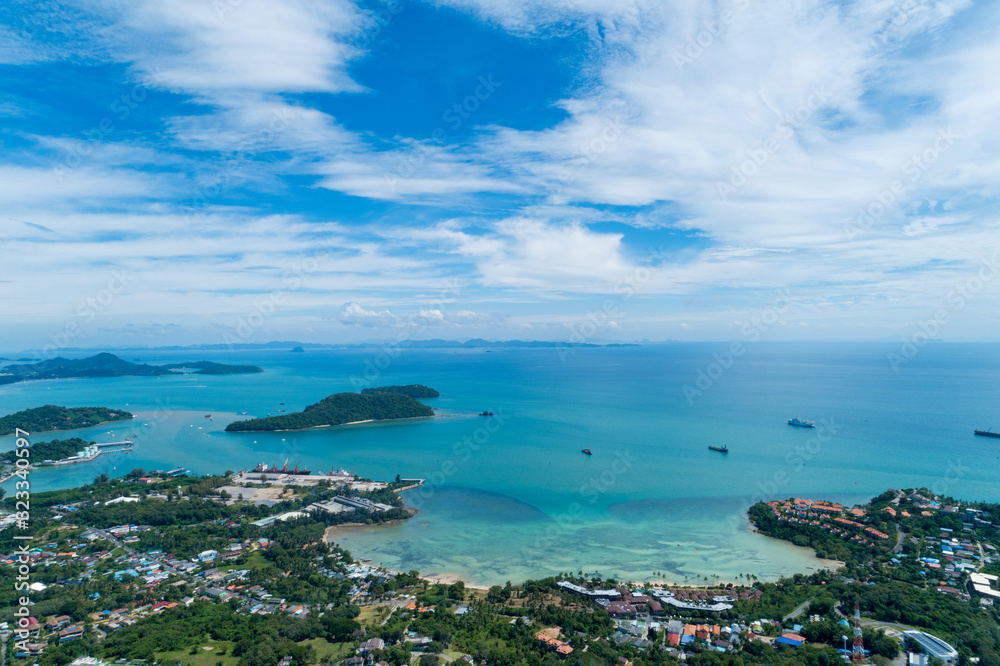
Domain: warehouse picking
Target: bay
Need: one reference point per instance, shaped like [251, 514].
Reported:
[512, 496]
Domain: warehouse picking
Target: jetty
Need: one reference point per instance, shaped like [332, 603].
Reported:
[89, 453]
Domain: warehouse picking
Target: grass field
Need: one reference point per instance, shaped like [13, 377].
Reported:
[204, 657]
[372, 615]
[327, 651]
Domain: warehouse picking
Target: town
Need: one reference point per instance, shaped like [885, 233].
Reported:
[201, 571]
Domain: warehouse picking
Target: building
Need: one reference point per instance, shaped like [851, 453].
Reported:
[371, 644]
[69, 633]
[984, 584]
[932, 647]
[593, 594]
[789, 638]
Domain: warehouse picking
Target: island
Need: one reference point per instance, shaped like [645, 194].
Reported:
[210, 368]
[57, 449]
[298, 350]
[109, 365]
[412, 390]
[340, 409]
[54, 417]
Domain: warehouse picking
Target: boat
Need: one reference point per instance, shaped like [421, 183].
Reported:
[987, 433]
[273, 469]
[588, 452]
[800, 423]
[720, 449]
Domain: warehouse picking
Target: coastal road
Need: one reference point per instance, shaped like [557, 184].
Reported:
[799, 610]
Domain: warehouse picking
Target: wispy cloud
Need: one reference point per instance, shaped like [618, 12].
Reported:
[756, 145]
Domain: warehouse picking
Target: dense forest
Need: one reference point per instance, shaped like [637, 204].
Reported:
[412, 390]
[338, 409]
[53, 417]
[57, 449]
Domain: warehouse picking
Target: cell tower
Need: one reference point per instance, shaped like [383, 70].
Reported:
[858, 652]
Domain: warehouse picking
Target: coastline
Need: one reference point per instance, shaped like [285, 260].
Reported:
[830, 565]
[337, 425]
[93, 425]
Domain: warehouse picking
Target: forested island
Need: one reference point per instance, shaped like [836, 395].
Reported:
[412, 390]
[210, 368]
[57, 449]
[53, 417]
[109, 365]
[338, 409]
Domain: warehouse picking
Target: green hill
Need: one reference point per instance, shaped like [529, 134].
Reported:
[338, 409]
[412, 390]
[57, 449]
[53, 417]
[109, 365]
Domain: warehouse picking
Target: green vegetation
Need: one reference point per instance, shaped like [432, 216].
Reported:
[57, 449]
[826, 545]
[53, 417]
[412, 390]
[109, 365]
[338, 409]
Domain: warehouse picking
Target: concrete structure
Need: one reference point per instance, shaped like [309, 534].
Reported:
[933, 646]
[985, 584]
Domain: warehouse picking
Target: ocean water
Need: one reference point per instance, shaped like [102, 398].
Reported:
[513, 497]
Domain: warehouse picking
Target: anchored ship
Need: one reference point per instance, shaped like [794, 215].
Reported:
[720, 449]
[800, 423]
[987, 433]
[273, 469]
[587, 451]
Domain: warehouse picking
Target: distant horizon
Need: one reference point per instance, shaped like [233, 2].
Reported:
[353, 170]
[419, 343]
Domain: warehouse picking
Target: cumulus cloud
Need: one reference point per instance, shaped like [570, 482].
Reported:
[352, 314]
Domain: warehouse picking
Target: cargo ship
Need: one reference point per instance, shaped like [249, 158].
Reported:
[800, 423]
[987, 433]
[720, 449]
[273, 469]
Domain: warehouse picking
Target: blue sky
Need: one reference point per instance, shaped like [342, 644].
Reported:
[210, 170]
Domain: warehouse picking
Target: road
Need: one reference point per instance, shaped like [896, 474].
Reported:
[873, 623]
[799, 610]
[900, 535]
[107, 535]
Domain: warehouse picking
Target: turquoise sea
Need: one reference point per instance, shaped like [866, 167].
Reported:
[513, 497]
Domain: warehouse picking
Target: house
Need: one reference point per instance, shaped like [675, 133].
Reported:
[25, 650]
[57, 622]
[371, 644]
[788, 638]
[69, 633]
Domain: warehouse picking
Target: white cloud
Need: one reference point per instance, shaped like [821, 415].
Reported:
[353, 314]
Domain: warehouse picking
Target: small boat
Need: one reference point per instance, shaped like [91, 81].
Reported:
[987, 433]
[588, 452]
[800, 423]
[720, 449]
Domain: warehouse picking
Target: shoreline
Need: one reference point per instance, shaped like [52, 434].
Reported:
[829, 565]
[93, 425]
[337, 425]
